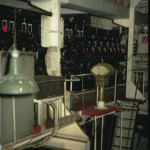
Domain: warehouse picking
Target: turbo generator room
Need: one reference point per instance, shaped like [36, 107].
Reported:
[74, 75]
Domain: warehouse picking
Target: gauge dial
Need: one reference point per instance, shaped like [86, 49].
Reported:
[101, 69]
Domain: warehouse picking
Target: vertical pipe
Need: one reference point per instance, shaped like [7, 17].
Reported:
[95, 133]
[60, 107]
[97, 93]
[44, 110]
[0, 122]
[143, 85]
[121, 121]
[136, 77]
[115, 88]
[130, 87]
[64, 98]
[101, 94]
[71, 84]
[130, 43]
[102, 132]
[82, 83]
[40, 112]
[14, 119]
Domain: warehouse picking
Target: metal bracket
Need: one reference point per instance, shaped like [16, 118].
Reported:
[122, 22]
[45, 5]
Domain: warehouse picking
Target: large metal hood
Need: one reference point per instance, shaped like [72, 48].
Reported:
[18, 4]
[102, 8]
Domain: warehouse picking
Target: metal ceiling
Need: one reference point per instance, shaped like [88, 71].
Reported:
[102, 8]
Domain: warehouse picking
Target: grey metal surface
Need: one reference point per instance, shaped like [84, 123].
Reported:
[26, 5]
[141, 18]
[0, 121]
[24, 104]
[103, 8]
[26, 61]
[24, 117]
[49, 86]
[98, 7]
[3, 63]
[18, 4]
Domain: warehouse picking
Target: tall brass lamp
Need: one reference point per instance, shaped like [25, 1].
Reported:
[101, 71]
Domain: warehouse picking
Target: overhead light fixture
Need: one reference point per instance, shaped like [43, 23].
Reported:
[17, 86]
[16, 83]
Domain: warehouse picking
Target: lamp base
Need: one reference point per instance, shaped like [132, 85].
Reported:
[101, 105]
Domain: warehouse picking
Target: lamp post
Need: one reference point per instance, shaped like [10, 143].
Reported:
[101, 71]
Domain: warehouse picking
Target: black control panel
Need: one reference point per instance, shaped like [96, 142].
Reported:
[84, 45]
[27, 27]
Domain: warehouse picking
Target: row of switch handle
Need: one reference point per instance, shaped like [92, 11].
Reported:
[9, 25]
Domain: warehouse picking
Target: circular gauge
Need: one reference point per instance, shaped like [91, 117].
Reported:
[101, 69]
